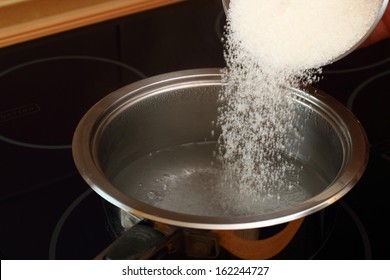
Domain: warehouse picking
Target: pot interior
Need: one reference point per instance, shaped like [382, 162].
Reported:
[154, 153]
[162, 150]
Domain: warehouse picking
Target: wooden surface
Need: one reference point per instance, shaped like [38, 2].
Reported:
[23, 20]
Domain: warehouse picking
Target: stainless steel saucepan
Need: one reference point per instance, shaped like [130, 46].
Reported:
[149, 149]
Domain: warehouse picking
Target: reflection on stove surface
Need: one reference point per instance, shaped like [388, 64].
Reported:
[49, 212]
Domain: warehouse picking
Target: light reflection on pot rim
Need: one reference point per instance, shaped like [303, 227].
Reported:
[90, 128]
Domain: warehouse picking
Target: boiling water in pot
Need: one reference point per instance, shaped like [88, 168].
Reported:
[194, 183]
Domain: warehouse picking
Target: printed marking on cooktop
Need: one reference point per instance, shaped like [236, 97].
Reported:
[19, 112]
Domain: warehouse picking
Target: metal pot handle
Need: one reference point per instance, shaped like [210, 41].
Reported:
[139, 242]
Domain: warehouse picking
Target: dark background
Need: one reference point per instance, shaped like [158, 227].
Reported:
[46, 85]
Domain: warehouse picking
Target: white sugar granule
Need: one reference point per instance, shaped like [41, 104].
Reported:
[271, 46]
[300, 33]
[259, 137]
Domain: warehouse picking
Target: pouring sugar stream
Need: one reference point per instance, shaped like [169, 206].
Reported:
[271, 46]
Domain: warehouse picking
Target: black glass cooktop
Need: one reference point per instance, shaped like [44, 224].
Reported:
[47, 211]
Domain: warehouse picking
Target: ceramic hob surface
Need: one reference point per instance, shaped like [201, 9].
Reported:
[47, 211]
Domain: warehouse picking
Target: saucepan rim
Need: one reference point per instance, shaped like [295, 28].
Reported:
[91, 126]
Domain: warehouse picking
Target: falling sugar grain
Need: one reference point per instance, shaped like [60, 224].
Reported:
[272, 46]
[250, 163]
